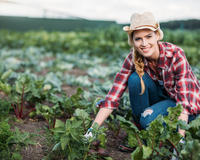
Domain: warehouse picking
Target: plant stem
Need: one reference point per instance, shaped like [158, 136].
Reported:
[174, 147]
[16, 114]
[139, 141]
[86, 154]
[70, 150]
[22, 102]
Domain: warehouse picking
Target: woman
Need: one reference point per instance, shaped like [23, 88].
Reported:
[157, 75]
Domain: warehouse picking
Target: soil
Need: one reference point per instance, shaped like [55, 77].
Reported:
[113, 147]
[37, 128]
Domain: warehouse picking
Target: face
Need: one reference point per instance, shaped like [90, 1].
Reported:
[145, 42]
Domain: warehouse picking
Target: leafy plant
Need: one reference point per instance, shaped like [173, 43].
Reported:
[49, 113]
[12, 141]
[70, 104]
[69, 136]
[158, 140]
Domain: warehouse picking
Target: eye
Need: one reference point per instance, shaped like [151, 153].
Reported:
[149, 36]
[137, 39]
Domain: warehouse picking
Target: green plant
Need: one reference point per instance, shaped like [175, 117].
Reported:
[12, 141]
[158, 139]
[49, 113]
[69, 136]
[70, 104]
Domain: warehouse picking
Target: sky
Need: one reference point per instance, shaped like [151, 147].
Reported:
[116, 10]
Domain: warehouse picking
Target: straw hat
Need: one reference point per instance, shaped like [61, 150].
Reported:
[145, 20]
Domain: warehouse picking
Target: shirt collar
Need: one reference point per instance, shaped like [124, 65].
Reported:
[161, 60]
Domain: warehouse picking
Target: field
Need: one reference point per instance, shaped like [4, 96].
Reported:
[50, 83]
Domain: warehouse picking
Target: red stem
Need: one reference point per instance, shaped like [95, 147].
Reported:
[22, 102]
[174, 147]
[16, 114]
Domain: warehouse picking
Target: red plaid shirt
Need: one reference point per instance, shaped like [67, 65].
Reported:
[173, 68]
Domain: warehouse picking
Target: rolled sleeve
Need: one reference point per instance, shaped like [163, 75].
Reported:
[109, 104]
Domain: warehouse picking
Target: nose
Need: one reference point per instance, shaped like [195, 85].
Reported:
[144, 42]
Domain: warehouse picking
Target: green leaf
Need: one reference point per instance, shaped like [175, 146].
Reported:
[146, 151]
[56, 146]
[107, 158]
[132, 140]
[59, 124]
[195, 123]
[172, 118]
[6, 88]
[23, 84]
[137, 154]
[6, 74]
[127, 124]
[64, 140]
[81, 114]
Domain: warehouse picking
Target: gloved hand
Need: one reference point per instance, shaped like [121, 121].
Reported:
[99, 102]
[89, 134]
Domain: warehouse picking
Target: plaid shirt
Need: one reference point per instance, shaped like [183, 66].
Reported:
[173, 68]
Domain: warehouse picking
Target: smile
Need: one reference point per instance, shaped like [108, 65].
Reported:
[145, 49]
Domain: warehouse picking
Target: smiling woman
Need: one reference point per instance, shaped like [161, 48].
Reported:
[157, 75]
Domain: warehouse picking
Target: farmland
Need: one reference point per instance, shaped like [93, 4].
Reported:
[50, 83]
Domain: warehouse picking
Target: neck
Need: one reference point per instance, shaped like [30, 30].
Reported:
[156, 55]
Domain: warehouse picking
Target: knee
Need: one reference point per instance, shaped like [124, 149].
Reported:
[146, 118]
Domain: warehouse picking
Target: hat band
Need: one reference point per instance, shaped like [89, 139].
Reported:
[155, 27]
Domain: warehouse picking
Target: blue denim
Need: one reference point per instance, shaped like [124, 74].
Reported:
[155, 98]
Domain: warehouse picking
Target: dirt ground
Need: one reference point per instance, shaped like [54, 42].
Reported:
[42, 147]
[37, 129]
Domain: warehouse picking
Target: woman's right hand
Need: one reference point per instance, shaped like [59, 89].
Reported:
[89, 134]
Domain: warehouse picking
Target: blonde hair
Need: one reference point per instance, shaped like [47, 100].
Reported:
[138, 60]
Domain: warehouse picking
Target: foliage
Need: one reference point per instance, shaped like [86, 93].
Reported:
[4, 108]
[104, 42]
[12, 141]
[69, 136]
[49, 113]
[158, 139]
[161, 137]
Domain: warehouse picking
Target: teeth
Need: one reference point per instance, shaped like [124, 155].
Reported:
[146, 49]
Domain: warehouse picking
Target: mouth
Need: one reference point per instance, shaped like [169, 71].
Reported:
[145, 50]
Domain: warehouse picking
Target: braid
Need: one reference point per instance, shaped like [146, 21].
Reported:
[139, 67]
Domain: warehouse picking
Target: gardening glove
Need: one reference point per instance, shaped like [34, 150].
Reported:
[89, 137]
[89, 133]
[99, 102]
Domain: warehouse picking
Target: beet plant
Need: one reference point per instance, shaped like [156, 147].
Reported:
[159, 139]
[71, 143]
[23, 93]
